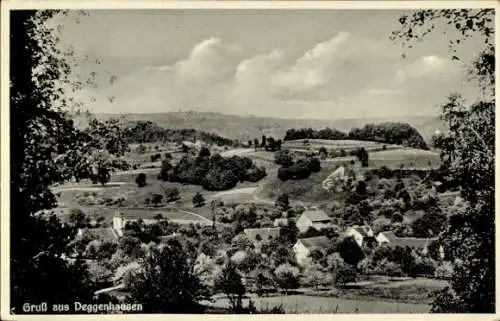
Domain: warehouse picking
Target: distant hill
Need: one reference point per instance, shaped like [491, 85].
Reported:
[249, 127]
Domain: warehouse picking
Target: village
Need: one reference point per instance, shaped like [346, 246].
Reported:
[318, 247]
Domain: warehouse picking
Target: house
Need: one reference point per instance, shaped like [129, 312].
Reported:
[120, 221]
[360, 234]
[258, 235]
[390, 239]
[313, 218]
[303, 247]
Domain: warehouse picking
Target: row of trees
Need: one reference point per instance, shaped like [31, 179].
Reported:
[150, 132]
[309, 133]
[268, 143]
[388, 132]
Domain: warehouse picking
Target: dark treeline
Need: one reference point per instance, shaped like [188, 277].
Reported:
[309, 133]
[150, 132]
[391, 133]
[388, 132]
[214, 172]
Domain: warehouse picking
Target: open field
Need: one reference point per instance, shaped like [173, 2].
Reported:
[306, 190]
[410, 158]
[316, 304]
[172, 214]
[304, 145]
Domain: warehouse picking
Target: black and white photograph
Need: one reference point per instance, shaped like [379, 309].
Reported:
[302, 159]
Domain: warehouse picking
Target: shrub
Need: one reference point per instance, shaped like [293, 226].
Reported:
[171, 193]
[345, 274]
[140, 180]
[384, 172]
[314, 165]
[198, 200]
[284, 158]
[156, 200]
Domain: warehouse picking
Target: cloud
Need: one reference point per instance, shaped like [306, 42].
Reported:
[431, 67]
[345, 76]
[313, 69]
[210, 60]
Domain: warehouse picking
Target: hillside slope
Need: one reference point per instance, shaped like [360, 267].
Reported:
[249, 127]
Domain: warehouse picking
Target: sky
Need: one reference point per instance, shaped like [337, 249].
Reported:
[320, 64]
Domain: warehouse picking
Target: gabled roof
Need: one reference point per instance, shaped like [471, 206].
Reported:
[364, 230]
[264, 233]
[315, 242]
[412, 242]
[316, 216]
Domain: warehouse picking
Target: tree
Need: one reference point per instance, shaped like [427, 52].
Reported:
[345, 274]
[78, 218]
[204, 152]
[283, 202]
[350, 251]
[362, 156]
[171, 194]
[130, 246]
[314, 165]
[263, 144]
[313, 275]
[198, 200]
[430, 224]
[140, 180]
[256, 144]
[229, 282]
[46, 148]
[166, 282]
[156, 200]
[323, 152]
[103, 175]
[283, 157]
[287, 276]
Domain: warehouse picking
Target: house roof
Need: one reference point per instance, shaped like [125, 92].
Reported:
[316, 241]
[316, 216]
[363, 230]
[105, 234]
[264, 233]
[412, 242]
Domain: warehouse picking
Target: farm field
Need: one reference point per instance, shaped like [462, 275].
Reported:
[410, 158]
[172, 214]
[335, 145]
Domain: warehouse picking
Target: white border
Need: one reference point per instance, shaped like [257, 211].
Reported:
[285, 5]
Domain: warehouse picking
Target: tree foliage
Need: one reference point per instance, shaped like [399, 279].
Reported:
[229, 282]
[391, 133]
[468, 150]
[46, 148]
[167, 282]
[309, 133]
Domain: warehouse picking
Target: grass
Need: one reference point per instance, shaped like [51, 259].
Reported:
[410, 158]
[336, 145]
[305, 190]
[318, 305]
[108, 212]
